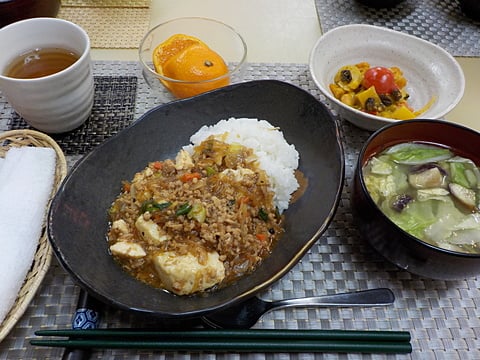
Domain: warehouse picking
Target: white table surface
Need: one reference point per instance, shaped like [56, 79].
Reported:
[283, 31]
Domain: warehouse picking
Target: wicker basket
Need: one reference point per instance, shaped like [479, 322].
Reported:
[43, 255]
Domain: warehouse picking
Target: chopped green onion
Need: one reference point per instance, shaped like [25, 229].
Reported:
[262, 214]
[151, 206]
[184, 209]
[210, 171]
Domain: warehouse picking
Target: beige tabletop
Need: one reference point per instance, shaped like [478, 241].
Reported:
[281, 31]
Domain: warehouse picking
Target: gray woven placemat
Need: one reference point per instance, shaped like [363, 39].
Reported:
[443, 317]
[113, 110]
[438, 21]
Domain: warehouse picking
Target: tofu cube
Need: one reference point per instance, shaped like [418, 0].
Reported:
[183, 161]
[183, 274]
[150, 231]
[128, 249]
[120, 226]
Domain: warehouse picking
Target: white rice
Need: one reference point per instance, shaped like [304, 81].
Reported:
[278, 158]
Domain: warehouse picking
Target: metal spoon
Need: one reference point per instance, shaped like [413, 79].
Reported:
[247, 313]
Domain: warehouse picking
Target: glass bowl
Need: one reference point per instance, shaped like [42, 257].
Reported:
[219, 37]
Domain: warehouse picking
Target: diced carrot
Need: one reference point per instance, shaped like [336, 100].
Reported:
[244, 200]
[157, 165]
[261, 237]
[190, 176]
[126, 186]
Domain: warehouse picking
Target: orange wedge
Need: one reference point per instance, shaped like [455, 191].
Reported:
[192, 62]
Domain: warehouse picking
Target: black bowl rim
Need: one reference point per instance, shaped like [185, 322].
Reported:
[359, 166]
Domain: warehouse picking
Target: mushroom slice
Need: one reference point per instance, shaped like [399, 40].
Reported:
[465, 195]
[401, 202]
[429, 178]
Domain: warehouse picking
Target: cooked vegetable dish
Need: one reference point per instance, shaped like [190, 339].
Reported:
[430, 192]
[375, 90]
[196, 222]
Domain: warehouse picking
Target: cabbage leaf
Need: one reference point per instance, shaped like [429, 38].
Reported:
[417, 154]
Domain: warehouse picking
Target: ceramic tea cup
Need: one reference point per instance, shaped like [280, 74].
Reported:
[51, 102]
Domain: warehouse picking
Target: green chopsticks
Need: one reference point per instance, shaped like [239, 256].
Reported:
[232, 340]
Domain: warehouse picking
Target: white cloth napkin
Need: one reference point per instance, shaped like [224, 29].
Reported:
[26, 181]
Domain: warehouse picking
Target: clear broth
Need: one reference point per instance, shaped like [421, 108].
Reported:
[40, 62]
[425, 205]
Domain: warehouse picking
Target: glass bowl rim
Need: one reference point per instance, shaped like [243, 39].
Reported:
[235, 69]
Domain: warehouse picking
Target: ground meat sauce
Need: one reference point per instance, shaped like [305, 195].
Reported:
[215, 201]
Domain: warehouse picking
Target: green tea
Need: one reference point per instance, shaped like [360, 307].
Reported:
[40, 62]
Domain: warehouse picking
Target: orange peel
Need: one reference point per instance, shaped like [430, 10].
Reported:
[193, 67]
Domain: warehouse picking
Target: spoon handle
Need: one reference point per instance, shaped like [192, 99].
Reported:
[373, 297]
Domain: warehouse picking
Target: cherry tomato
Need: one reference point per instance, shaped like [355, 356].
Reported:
[381, 78]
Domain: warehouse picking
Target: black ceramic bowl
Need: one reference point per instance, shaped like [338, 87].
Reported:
[78, 223]
[15, 10]
[471, 8]
[388, 239]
